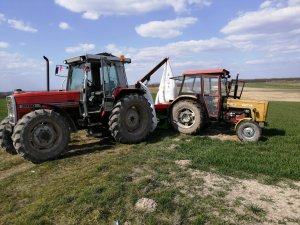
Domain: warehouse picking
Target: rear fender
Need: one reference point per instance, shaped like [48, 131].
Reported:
[187, 97]
[122, 92]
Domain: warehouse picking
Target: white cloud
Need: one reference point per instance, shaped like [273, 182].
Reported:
[64, 26]
[91, 15]
[18, 71]
[4, 44]
[175, 49]
[274, 27]
[80, 48]
[165, 29]
[2, 18]
[294, 2]
[265, 20]
[92, 9]
[193, 54]
[20, 25]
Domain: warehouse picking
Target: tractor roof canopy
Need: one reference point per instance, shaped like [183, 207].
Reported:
[221, 72]
[216, 72]
[97, 57]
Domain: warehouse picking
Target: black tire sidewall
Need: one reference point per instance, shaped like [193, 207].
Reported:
[195, 108]
[120, 131]
[63, 134]
[6, 136]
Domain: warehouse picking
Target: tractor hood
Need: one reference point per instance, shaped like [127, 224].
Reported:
[38, 99]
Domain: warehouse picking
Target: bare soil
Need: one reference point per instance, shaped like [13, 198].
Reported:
[288, 95]
[276, 204]
[17, 169]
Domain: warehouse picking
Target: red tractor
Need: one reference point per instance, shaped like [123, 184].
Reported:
[97, 98]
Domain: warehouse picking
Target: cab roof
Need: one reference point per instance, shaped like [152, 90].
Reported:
[96, 57]
[211, 71]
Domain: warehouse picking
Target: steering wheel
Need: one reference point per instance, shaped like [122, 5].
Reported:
[91, 84]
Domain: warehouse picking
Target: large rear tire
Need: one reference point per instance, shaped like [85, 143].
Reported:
[131, 119]
[41, 135]
[187, 117]
[248, 130]
[6, 130]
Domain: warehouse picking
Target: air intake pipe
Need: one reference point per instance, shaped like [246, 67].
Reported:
[47, 73]
[236, 86]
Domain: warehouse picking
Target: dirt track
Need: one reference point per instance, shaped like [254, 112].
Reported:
[287, 95]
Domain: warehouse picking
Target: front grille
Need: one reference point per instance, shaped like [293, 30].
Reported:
[11, 109]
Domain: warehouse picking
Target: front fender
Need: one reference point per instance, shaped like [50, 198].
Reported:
[236, 125]
[191, 97]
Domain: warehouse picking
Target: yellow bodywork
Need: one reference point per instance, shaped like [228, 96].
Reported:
[258, 109]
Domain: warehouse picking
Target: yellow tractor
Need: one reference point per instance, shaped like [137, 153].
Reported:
[208, 95]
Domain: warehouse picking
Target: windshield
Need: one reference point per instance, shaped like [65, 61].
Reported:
[192, 84]
[76, 76]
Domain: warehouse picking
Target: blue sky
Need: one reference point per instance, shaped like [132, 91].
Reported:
[258, 39]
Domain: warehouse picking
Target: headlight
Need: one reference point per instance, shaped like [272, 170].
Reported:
[11, 109]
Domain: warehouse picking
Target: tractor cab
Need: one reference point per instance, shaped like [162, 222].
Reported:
[210, 86]
[97, 77]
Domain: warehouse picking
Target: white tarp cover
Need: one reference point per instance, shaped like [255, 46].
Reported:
[167, 86]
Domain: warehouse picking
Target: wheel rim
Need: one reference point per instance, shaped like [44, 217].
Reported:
[132, 119]
[43, 136]
[249, 132]
[186, 118]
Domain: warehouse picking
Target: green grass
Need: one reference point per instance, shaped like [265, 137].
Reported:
[3, 111]
[100, 183]
[275, 85]
[277, 155]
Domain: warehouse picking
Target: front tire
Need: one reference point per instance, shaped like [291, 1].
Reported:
[41, 135]
[6, 130]
[131, 119]
[248, 130]
[187, 117]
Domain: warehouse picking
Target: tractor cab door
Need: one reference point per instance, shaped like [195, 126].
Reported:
[211, 95]
[113, 76]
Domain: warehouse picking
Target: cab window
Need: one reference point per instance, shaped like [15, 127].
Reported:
[76, 77]
[192, 84]
[110, 78]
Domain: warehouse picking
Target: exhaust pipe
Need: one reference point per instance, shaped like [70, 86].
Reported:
[47, 73]
[236, 86]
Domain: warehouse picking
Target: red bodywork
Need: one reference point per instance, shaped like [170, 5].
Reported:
[27, 101]
[212, 71]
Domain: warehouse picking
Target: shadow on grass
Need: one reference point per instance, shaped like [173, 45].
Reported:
[88, 148]
[216, 128]
[160, 134]
[271, 132]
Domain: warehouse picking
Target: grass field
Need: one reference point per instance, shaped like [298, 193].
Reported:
[3, 111]
[275, 84]
[98, 182]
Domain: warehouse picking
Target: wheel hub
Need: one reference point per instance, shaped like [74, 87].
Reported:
[186, 117]
[132, 119]
[43, 136]
[249, 132]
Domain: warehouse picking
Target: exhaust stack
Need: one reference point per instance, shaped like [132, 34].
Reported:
[47, 73]
[236, 86]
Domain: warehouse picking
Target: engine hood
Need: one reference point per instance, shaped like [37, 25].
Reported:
[51, 97]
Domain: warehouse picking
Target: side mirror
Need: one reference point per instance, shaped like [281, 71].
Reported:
[61, 71]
